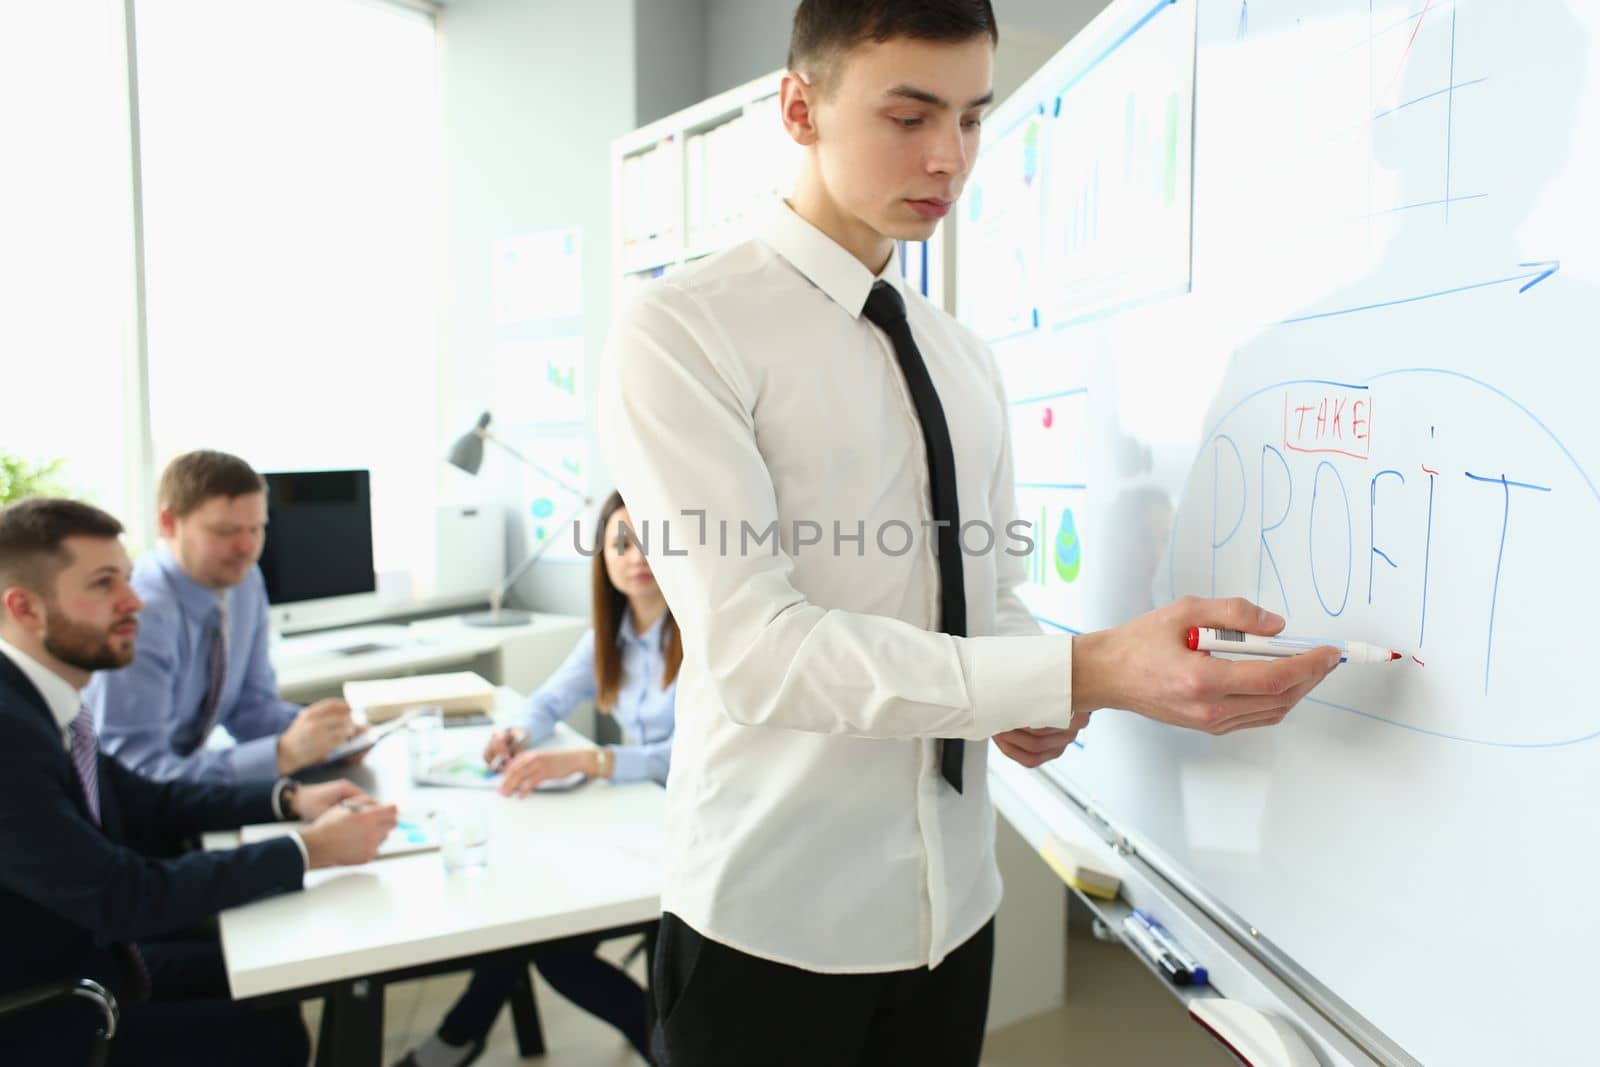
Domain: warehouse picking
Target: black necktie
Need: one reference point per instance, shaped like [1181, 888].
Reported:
[886, 310]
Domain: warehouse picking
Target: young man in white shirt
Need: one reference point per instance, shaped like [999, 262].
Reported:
[819, 465]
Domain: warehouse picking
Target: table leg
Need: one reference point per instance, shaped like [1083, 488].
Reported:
[525, 1017]
[650, 978]
[351, 1034]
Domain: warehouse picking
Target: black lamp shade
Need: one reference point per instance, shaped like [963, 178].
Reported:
[467, 452]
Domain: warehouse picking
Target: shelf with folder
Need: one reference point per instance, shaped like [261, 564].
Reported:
[695, 182]
[648, 259]
[707, 248]
[650, 180]
[690, 184]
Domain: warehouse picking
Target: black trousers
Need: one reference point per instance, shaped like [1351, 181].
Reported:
[189, 1017]
[719, 1007]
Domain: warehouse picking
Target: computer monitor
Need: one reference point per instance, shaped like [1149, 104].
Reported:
[319, 536]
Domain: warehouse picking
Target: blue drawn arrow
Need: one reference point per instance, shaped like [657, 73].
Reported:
[1547, 268]
[1553, 264]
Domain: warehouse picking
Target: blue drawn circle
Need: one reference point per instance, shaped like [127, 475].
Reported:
[1214, 434]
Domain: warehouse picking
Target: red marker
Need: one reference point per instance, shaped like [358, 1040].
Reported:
[1207, 639]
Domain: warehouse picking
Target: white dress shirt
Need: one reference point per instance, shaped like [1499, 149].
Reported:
[59, 695]
[807, 819]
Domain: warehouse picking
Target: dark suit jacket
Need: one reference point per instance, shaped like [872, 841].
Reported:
[70, 890]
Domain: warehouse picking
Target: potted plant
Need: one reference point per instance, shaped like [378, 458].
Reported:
[19, 478]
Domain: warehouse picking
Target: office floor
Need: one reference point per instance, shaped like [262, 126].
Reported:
[1115, 1016]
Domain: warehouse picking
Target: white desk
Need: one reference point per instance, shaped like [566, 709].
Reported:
[314, 665]
[559, 864]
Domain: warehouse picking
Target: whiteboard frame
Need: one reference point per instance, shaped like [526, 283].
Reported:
[1243, 965]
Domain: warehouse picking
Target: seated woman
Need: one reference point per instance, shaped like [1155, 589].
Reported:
[628, 665]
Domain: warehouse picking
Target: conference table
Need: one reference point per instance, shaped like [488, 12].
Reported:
[559, 864]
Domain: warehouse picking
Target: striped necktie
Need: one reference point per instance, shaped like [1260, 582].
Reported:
[216, 673]
[887, 310]
[85, 756]
[85, 750]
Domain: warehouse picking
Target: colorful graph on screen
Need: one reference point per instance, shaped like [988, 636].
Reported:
[1116, 225]
[1000, 233]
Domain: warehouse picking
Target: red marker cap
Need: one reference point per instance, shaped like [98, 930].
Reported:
[1194, 639]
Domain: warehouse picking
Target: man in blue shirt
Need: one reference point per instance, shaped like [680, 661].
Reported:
[202, 655]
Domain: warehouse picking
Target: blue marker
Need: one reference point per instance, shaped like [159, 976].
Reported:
[1197, 973]
[1139, 935]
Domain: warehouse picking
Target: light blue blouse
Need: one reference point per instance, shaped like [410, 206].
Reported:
[643, 709]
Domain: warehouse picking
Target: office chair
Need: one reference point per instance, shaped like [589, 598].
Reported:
[15, 1004]
[608, 732]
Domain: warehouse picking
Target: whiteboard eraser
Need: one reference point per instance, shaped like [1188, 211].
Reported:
[1255, 1038]
[1078, 868]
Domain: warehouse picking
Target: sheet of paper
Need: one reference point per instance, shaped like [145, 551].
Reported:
[414, 832]
[469, 772]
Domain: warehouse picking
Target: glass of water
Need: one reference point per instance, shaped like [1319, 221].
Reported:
[464, 840]
[424, 739]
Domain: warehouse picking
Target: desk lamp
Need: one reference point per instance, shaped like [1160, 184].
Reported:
[467, 455]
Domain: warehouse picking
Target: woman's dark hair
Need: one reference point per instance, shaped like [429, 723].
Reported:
[609, 605]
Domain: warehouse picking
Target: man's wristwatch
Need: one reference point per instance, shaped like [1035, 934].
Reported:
[286, 797]
[602, 762]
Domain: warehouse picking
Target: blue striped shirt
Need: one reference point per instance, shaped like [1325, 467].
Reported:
[148, 714]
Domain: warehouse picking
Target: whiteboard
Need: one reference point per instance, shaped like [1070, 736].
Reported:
[1338, 359]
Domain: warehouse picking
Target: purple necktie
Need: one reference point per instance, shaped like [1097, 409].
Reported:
[216, 672]
[86, 757]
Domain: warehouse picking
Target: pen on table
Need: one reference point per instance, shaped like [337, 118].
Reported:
[1140, 937]
[498, 764]
[1165, 939]
[1209, 639]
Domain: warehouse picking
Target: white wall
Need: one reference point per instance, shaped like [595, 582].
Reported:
[670, 48]
[747, 38]
[534, 92]
[1030, 934]
[1058, 18]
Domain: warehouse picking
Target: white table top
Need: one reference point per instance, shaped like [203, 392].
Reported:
[559, 864]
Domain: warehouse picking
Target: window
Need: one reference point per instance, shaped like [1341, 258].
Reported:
[66, 247]
[290, 173]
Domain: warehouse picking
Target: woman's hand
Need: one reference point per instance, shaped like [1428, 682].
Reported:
[524, 773]
[503, 745]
